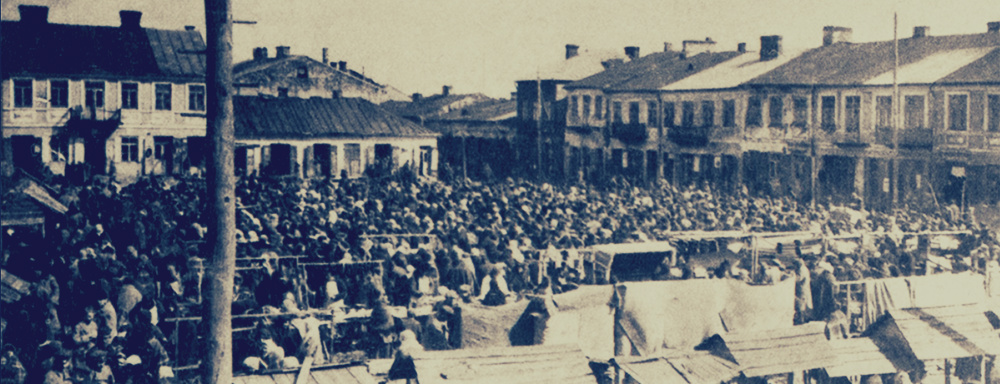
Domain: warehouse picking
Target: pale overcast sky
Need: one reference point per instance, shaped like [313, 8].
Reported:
[486, 45]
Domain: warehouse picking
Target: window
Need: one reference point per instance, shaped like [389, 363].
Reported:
[669, 114]
[883, 111]
[59, 93]
[728, 113]
[828, 110]
[130, 96]
[161, 147]
[800, 111]
[707, 113]
[958, 112]
[914, 113]
[94, 94]
[616, 112]
[852, 113]
[599, 107]
[776, 111]
[687, 114]
[130, 149]
[352, 153]
[586, 106]
[303, 72]
[163, 97]
[753, 112]
[633, 112]
[282, 92]
[993, 109]
[196, 97]
[652, 117]
[23, 95]
[573, 112]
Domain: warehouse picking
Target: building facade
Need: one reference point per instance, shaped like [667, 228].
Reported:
[82, 100]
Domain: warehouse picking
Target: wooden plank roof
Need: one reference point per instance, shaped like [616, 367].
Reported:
[947, 332]
[304, 119]
[534, 364]
[680, 367]
[860, 356]
[798, 348]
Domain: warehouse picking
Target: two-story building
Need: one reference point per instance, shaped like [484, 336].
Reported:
[82, 100]
[288, 75]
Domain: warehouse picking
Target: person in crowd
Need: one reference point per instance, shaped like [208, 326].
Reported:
[494, 288]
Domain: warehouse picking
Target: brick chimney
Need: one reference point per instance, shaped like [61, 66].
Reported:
[694, 47]
[189, 28]
[667, 47]
[34, 14]
[445, 90]
[833, 35]
[993, 27]
[282, 51]
[130, 19]
[416, 97]
[632, 52]
[770, 47]
[326, 55]
[920, 31]
[342, 66]
[259, 53]
[572, 50]
[741, 47]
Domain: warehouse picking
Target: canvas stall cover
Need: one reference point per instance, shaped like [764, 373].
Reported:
[681, 314]
[882, 295]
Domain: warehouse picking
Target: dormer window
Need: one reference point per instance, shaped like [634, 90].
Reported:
[303, 72]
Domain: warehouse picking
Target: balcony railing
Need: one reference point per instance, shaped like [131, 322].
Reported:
[690, 136]
[629, 133]
[84, 113]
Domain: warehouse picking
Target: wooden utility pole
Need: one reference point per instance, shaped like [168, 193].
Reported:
[217, 362]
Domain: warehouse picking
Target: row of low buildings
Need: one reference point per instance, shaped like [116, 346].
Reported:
[128, 101]
[821, 124]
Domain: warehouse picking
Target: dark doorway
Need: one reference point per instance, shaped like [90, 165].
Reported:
[383, 159]
[240, 161]
[27, 152]
[281, 160]
[321, 155]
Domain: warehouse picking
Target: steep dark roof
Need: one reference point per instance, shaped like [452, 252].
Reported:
[295, 118]
[249, 66]
[852, 64]
[652, 71]
[51, 50]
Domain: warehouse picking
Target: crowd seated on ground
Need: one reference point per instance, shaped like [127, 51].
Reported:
[126, 258]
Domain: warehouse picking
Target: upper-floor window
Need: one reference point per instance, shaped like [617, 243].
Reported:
[303, 72]
[651, 115]
[707, 113]
[162, 146]
[196, 97]
[669, 114]
[586, 106]
[687, 113]
[164, 97]
[754, 112]
[573, 111]
[958, 112]
[800, 111]
[93, 96]
[828, 112]
[993, 111]
[130, 96]
[728, 113]
[633, 112]
[59, 93]
[776, 111]
[913, 114]
[883, 111]
[616, 112]
[599, 107]
[23, 94]
[130, 149]
[852, 113]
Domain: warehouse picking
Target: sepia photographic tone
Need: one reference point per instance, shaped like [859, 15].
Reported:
[253, 192]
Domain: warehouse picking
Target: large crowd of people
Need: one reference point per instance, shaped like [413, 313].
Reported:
[127, 259]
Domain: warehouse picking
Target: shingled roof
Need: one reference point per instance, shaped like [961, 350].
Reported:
[652, 71]
[42, 49]
[856, 64]
[295, 118]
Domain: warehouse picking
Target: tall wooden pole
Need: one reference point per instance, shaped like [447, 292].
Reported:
[217, 362]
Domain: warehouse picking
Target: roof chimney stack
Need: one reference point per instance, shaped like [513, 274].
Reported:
[572, 50]
[130, 19]
[667, 47]
[326, 55]
[770, 47]
[993, 27]
[342, 66]
[34, 14]
[920, 31]
[282, 51]
[741, 47]
[833, 35]
[445, 90]
[189, 28]
[632, 52]
[416, 97]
